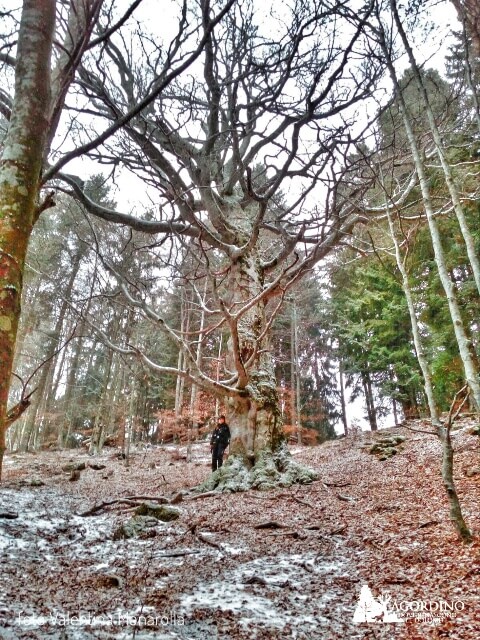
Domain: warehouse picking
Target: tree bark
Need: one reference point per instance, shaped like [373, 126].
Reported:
[342, 398]
[254, 418]
[20, 169]
[294, 377]
[193, 417]
[99, 425]
[471, 373]
[439, 148]
[258, 456]
[417, 340]
[371, 411]
[469, 14]
[456, 515]
[180, 384]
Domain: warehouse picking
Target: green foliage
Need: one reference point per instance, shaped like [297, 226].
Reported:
[372, 327]
[444, 107]
[319, 404]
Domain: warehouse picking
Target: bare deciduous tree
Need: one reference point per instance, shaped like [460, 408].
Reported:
[238, 152]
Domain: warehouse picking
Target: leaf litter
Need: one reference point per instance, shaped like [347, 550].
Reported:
[213, 574]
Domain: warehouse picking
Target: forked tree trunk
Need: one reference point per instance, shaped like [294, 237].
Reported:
[20, 168]
[258, 456]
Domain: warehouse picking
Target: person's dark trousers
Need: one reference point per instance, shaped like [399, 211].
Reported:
[217, 455]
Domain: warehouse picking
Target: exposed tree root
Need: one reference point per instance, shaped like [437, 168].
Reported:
[270, 471]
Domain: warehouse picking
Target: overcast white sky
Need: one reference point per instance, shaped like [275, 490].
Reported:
[133, 196]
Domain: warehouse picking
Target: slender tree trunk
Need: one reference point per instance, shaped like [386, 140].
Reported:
[65, 428]
[469, 15]
[395, 411]
[28, 431]
[20, 168]
[471, 373]
[342, 398]
[49, 392]
[58, 370]
[99, 424]
[217, 378]
[180, 385]
[456, 515]
[122, 429]
[447, 171]
[131, 418]
[294, 377]
[112, 401]
[417, 340]
[469, 76]
[369, 401]
[193, 417]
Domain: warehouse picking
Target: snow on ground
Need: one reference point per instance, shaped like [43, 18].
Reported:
[212, 574]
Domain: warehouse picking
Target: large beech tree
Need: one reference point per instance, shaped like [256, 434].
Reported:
[246, 156]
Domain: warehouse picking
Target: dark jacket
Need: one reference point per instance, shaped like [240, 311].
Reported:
[221, 435]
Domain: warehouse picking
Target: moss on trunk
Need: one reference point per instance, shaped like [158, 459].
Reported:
[272, 469]
[20, 168]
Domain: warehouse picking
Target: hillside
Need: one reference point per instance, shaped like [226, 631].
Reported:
[285, 564]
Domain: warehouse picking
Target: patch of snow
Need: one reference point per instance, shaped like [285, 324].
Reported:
[236, 592]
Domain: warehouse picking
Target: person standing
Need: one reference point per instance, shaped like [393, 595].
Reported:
[219, 441]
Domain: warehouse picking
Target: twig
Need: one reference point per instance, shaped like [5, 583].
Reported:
[205, 539]
[345, 498]
[132, 501]
[271, 524]
[156, 498]
[340, 529]
[176, 554]
[453, 416]
[208, 494]
[337, 484]
[430, 433]
[307, 504]
[102, 505]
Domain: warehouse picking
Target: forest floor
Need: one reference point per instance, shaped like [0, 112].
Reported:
[217, 573]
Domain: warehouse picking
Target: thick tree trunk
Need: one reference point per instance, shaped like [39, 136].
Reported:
[254, 419]
[20, 168]
[258, 456]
